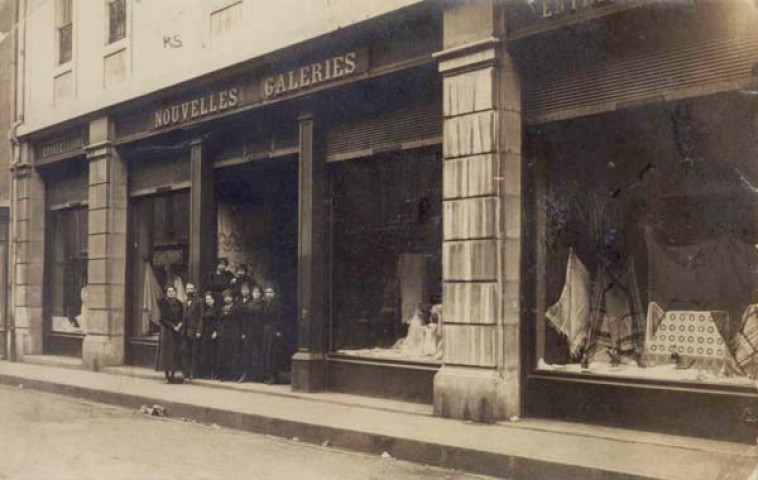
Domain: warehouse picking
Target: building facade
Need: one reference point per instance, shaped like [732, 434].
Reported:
[542, 209]
[7, 106]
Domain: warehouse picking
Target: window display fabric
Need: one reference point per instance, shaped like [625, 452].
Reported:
[616, 315]
[692, 334]
[745, 343]
[413, 344]
[152, 294]
[570, 315]
[411, 271]
[655, 315]
[712, 274]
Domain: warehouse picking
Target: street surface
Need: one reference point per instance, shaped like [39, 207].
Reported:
[45, 436]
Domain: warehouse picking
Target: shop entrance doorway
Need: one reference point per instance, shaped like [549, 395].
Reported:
[257, 226]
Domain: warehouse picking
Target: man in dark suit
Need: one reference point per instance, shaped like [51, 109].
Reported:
[192, 334]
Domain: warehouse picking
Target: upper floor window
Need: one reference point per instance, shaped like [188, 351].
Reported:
[65, 31]
[116, 20]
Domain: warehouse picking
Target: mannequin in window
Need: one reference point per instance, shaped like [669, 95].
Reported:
[414, 343]
[81, 319]
[176, 281]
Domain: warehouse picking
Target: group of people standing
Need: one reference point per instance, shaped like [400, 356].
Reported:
[232, 333]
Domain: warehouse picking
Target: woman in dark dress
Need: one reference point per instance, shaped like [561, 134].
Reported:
[273, 338]
[250, 310]
[169, 349]
[228, 338]
[209, 341]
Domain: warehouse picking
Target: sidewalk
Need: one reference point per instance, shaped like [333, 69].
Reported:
[528, 449]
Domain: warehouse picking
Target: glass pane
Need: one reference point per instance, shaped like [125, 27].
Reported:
[161, 231]
[387, 237]
[647, 242]
[65, 43]
[117, 23]
[68, 269]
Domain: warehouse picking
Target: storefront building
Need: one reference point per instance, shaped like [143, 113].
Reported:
[541, 209]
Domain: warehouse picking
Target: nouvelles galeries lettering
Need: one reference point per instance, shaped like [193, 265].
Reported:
[310, 75]
[195, 108]
[294, 80]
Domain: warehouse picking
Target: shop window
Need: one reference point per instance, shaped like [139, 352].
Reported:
[67, 278]
[116, 20]
[647, 243]
[160, 226]
[65, 30]
[386, 257]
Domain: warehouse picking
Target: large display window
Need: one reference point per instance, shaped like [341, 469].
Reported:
[646, 229]
[386, 257]
[67, 276]
[160, 226]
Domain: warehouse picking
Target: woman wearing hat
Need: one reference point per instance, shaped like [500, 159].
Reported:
[169, 353]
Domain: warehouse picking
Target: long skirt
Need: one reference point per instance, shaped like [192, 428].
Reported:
[273, 358]
[208, 354]
[228, 350]
[251, 353]
[169, 350]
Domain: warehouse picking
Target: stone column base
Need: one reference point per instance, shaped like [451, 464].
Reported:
[28, 341]
[102, 351]
[308, 372]
[469, 394]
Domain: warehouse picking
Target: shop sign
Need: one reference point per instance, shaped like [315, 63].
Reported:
[556, 8]
[69, 142]
[195, 108]
[528, 16]
[261, 87]
[315, 74]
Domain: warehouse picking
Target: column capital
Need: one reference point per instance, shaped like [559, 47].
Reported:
[99, 150]
[478, 54]
[20, 170]
[306, 116]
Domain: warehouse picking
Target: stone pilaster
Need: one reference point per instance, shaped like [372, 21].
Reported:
[480, 377]
[309, 363]
[202, 245]
[28, 230]
[106, 270]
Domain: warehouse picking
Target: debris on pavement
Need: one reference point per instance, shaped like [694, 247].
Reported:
[154, 411]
